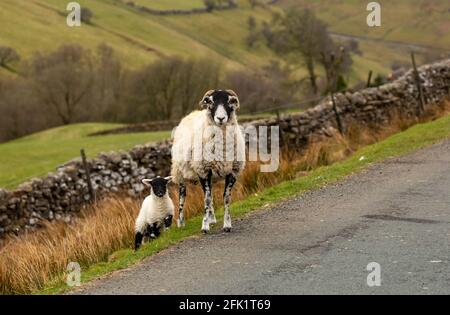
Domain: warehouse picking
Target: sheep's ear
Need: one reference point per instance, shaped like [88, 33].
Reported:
[168, 179]
[146, 182]
[234, 99]
[206, 99]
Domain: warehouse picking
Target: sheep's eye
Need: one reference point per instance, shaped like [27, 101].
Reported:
[233, 101]
[207, 100]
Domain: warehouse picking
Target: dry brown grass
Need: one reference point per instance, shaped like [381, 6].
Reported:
[29, 261]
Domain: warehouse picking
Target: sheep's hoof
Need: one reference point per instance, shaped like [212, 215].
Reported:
[180, 224]
[227, 229]
[205, 231]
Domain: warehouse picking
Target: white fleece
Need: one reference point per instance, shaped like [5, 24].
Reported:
[188, 165]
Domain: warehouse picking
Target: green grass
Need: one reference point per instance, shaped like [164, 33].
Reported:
[400, 144]
[40, 153]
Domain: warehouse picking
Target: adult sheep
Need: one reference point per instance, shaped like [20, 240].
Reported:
[208, 145]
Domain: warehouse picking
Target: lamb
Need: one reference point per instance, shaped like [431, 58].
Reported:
[156, 212]
[209, 145]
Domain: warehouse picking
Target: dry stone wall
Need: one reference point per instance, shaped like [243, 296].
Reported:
[61, 195]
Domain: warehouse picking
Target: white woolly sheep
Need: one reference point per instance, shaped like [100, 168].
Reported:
[156, 212]
[209, 145]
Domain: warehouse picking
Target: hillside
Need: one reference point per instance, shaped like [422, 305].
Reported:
[407, 21]
[42, 152]
[220, 34]
[42, 27]
[421, 23]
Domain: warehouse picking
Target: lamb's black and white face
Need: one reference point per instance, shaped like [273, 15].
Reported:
[158, 184]
[221, 105]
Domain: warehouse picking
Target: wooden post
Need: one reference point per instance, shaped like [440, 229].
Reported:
[338, 117]
[88, 176]
[277, 112]
[369, 79]
[418, 84]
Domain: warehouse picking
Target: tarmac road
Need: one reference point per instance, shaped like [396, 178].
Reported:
[396, 213]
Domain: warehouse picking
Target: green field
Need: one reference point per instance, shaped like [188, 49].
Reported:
[42, 152]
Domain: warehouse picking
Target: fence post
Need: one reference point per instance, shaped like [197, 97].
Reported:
[369, 79]
[88, 176]
[418, 84]
[336, 113]
[277, 112]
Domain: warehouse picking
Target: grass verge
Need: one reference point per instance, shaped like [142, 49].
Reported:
[416, 137]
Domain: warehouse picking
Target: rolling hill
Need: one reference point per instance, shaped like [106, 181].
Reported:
[220, 34]
[42, 27]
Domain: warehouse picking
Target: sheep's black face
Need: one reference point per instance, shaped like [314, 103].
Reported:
[158, 184]
[221, 105]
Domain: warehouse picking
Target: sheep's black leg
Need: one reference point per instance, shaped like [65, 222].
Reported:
[138, 240]
[182, 193]
[207, 189]
[230, 180]
[168, 221]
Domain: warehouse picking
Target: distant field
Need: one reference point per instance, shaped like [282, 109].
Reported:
[42, 152]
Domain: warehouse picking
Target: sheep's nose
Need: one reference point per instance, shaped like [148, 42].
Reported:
[221, 119]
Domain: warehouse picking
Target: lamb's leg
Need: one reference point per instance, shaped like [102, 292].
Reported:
[182, 193]
[230, 180]
[140, 229]
[153, 230]
[138, 240]
[207, 189]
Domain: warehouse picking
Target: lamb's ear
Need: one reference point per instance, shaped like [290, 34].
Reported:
[206, 99]
[234, 99]
[168, 179]
[147, 182]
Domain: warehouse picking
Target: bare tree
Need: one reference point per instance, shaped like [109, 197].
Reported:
[8, 55]
[107, 84]
[305, 40]
[63, 80]
[262, 90]
[17, 101]
[169, 88]
[299, 35]
[336, 61]
[210, 5]
[253, 34]
[253, 3]
[86, 15]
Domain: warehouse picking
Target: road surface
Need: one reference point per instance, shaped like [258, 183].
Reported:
[396, 214]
